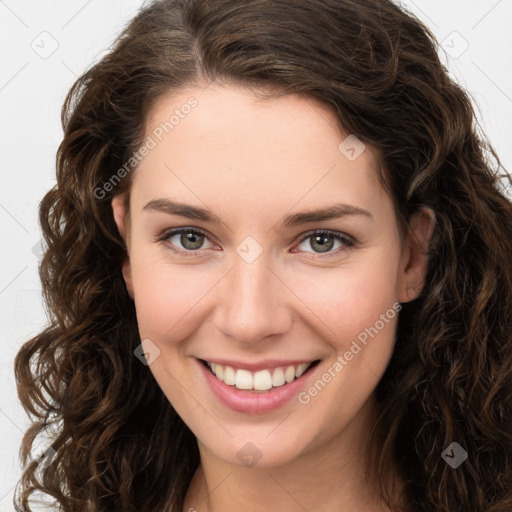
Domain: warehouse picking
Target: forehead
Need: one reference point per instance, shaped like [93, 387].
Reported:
[225, 140]
[233, 118]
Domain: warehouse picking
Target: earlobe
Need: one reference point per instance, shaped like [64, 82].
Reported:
[119, 212]
[415, 256]
[127, 274]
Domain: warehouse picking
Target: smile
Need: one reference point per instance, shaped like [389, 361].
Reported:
[259, 388]
[262, 380]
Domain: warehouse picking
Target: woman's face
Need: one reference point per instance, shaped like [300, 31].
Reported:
[257, 282]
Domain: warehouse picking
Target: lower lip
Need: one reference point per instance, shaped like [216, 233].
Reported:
[250, 402]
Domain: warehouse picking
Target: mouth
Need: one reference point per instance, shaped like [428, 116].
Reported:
[262, 381]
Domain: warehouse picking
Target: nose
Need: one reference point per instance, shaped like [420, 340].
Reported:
[254, 303]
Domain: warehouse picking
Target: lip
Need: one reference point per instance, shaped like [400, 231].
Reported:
[250, 402]
[267, 364]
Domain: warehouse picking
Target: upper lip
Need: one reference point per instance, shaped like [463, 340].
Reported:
[266, 364]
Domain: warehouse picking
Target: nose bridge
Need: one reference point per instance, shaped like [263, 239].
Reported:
[253, 305]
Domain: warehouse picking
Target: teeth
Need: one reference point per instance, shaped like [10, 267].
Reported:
[278, 377]
[229, 376]
[262, 380]
[301, 369]
[289, 374]
[219, 371]
[243, 379]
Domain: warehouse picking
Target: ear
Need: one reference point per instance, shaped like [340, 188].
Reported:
[121, 218]
[415, 255]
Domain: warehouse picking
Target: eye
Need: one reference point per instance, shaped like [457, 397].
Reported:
[186, 240]
[191, 241]
[324, 242]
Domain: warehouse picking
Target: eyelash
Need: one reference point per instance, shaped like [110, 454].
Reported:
[344, 239]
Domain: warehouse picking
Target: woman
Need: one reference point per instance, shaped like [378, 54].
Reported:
[278, 270]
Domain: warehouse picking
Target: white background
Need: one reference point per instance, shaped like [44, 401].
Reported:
[33, 88]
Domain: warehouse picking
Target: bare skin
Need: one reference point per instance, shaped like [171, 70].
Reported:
[252, 163]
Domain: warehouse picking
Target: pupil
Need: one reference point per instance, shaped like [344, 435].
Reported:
[324, 243]
[191, 240]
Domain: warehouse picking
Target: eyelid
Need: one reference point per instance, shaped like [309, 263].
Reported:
[336, 234]
[347, 240]
[168, 233]
[180, 229]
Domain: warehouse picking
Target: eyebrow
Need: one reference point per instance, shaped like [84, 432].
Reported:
[184, 210]
[295, 219]
[331, 212]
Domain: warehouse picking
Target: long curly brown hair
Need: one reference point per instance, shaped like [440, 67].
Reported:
[116, 441]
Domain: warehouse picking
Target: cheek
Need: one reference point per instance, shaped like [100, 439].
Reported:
[357, 314]
[167, 294]
[353, 299]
